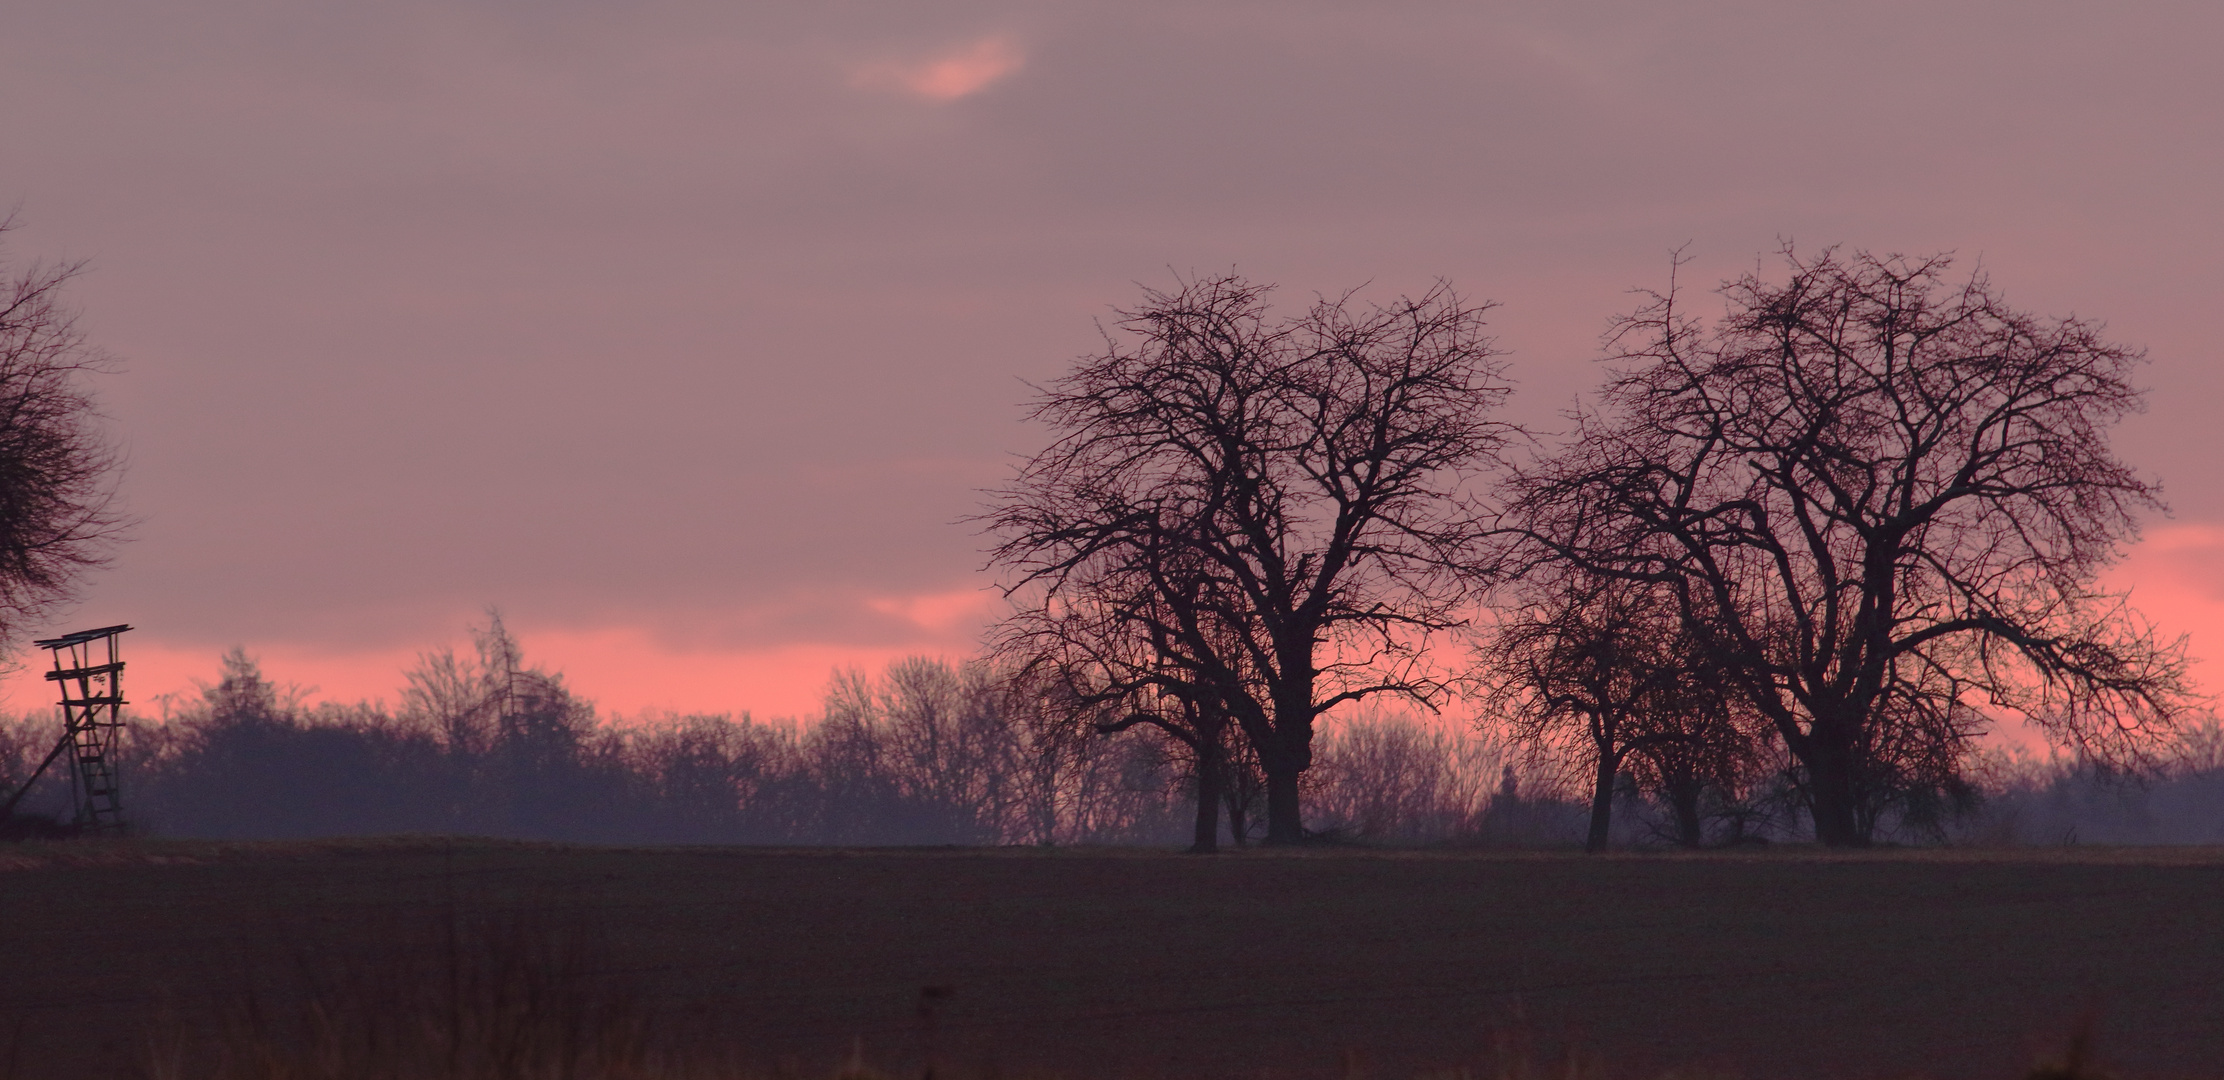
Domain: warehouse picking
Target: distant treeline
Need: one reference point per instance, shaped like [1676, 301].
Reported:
[931, 752]
[927, 752]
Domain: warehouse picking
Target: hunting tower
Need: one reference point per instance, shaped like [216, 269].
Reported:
[91, 674]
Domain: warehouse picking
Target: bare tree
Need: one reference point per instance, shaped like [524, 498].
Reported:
[57, 469]
[1102, 644]
[1400, 779]
[1704, 760]
[491, 698]
[1603, 673]
[1880, 500]
[952, 745]
[1266, 505]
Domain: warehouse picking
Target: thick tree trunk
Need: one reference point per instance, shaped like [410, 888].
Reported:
[1831, 796]
[1285, 823]
[1602, 801]
[1683, 802]
[1287, 755]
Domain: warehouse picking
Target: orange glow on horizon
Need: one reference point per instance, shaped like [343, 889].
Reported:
[625, 672]
[2176, 578]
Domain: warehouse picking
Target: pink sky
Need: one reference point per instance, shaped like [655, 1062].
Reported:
[686, 333]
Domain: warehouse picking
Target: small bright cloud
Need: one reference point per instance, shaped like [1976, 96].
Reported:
[937, 611]
[947, 77]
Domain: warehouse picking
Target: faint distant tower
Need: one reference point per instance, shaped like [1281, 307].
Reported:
[91, 674]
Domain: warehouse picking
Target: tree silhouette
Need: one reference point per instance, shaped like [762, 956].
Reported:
[1605, 673]
[1880, 500]
[1269, 507]
[1104, 653]
[57, 470]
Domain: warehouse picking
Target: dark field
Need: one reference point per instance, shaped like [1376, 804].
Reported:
[1146, 965]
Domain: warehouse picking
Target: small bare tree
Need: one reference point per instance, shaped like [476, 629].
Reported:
[1603, 673]
[1879, 499]
[1403, 779]
[1104, 647]
[1267, 505]
[57, 470]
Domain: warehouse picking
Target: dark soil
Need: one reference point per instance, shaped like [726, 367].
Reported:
[1141, 965]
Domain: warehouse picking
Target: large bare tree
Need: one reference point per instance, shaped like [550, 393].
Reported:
[1267, 506]
[57, 468]
[1881, 499]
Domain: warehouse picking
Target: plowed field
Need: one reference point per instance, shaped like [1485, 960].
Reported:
[1143, 965]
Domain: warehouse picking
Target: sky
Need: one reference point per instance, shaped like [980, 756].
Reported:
[686, 334]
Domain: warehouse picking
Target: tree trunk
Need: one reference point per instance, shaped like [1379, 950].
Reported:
[1683, 802]
[1831, 798]
[1289, 751]
[1602, 800]
[1285, 824]
[1211, 772]
[1285, 821]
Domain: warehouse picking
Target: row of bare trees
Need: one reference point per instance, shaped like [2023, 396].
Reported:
[929, 752]
[1815, 547]
[925, 752]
